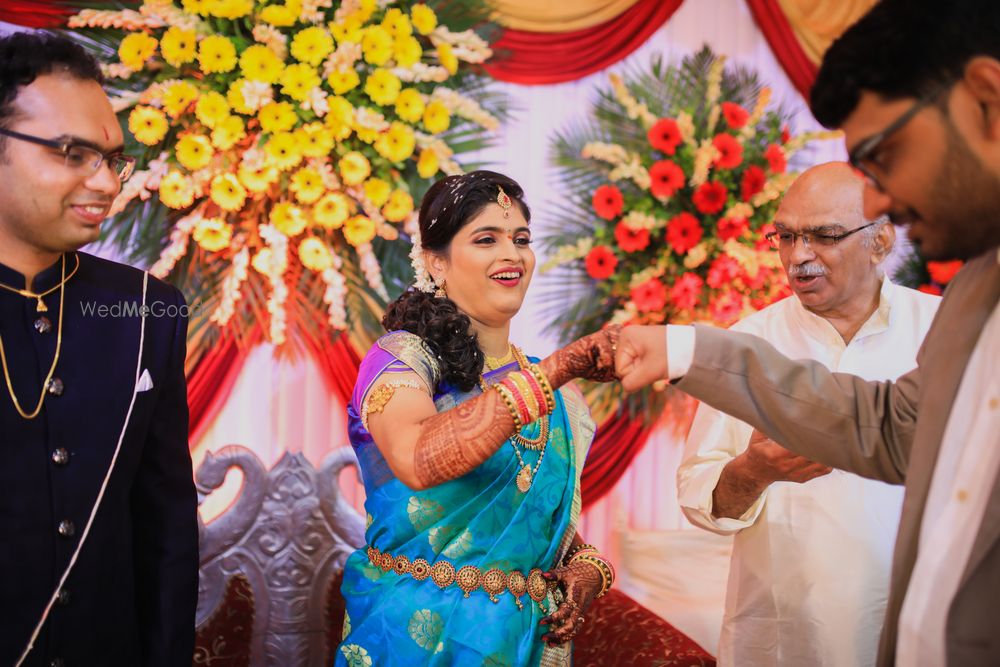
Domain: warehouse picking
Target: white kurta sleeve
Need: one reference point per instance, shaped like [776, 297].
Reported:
[715, 439]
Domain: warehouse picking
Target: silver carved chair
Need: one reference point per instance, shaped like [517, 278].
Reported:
[271, 564]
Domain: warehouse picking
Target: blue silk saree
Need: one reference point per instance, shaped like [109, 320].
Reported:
[436, 583]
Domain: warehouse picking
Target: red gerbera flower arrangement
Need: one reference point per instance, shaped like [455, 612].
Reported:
[730, 151]
[686, 292]
[710, 197]
[735, 115]
[664, 135]
[677, 211]
[732, 228]
[776, 160]
[752, 182]
[723, 271]
[630, 239]
[666, 178]
[601, 262]
[650, 296]
[608, 202]
[943, 272]
[683, 232]
[699, 161]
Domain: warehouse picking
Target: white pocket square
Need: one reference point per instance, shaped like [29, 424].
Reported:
[145, 382]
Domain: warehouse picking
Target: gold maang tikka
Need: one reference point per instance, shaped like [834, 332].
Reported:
[503, 200]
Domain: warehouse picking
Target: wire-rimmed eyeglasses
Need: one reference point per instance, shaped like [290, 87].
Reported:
[81, 157]
[784, 238]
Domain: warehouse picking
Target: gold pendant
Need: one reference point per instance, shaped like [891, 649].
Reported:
[41, 307]
[524, 479]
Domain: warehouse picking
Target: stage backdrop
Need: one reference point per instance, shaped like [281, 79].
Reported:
[281, 406]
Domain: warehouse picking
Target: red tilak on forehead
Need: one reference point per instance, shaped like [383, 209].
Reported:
[106, 135]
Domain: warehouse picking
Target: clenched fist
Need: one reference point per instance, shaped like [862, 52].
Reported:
[642, 356]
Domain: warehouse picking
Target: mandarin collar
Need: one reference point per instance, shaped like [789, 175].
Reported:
[47, 278]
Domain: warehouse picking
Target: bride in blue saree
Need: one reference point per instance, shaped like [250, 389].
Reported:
[471, 463]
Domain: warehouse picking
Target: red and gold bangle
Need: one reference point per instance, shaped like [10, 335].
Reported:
[579, 549]
[508, 398]
[522, 405]
[524, 388]
[550, 398]
[603, 566]
[536, 390]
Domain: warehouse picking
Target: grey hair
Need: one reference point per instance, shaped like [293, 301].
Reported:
[868, 235]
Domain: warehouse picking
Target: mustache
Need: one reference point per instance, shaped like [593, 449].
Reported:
[806, 270]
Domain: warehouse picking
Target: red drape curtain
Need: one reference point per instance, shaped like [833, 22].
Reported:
[213, 376]
[212, 379]
[339, 362]
[35, 13]
[534, 58]
[616, 444]
[785, 45]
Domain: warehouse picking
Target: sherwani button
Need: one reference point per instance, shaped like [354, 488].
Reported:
[66, 528]
[60, 457]
[55, 387]
[63, 597]
[43, 325]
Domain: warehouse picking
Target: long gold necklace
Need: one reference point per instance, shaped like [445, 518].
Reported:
[526, 474]
[55, 359]
[40, 307]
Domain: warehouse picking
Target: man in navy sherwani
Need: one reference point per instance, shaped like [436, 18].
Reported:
[93, 410]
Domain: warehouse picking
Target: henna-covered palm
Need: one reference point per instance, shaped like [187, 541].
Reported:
[591, 357]
[580, 583]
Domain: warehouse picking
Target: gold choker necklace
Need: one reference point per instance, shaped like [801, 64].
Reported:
[28, 294]
[493, 363]
[55, 359]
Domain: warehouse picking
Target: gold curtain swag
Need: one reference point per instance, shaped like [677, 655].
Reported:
[817, 23]
[556, 15]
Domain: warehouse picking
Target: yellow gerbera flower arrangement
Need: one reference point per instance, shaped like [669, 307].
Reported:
[290, 132]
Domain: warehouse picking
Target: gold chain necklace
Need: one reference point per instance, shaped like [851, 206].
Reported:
[526, 474]
[27, 293]
[55, 359]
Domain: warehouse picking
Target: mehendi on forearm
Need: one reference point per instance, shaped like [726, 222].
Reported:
[455, 442]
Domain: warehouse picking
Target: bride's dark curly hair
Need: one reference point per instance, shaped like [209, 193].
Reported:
[449, 205]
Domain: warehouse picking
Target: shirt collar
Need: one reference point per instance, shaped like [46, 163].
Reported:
[821, 329]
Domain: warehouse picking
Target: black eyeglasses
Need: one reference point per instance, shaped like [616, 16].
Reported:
[861, 157]
[85, 159]
[783, 239]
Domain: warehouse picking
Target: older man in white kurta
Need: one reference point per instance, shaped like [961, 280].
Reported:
[810, 567]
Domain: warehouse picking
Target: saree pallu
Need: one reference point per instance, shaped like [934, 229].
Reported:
[480, 519]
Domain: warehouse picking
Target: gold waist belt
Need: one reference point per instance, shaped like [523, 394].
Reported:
[469, 578]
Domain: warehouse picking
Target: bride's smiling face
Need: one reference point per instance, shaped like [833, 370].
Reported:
[488, 265]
